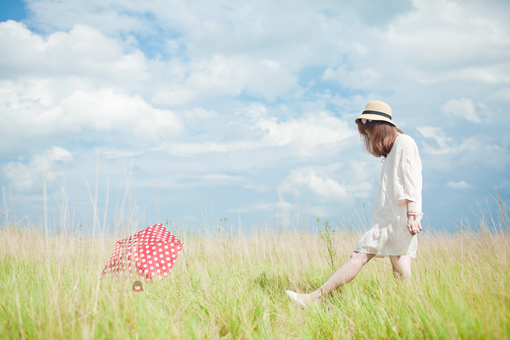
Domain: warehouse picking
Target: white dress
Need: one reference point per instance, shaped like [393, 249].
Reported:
[401, 180]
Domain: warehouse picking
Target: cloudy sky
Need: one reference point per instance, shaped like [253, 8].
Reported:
[196, 111]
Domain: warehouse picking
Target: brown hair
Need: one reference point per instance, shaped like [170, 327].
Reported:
[382, 134]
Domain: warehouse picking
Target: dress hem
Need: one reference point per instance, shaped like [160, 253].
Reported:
[384, 255]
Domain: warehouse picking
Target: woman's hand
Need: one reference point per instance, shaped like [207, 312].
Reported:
[413, 224]
[413, 218]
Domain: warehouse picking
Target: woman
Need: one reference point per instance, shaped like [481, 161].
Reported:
[397, 214]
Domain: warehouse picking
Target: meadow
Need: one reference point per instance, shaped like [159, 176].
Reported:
[226, 285]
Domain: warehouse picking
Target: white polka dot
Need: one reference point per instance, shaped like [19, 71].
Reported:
[143, 260]
[172, 244]
[168, 259]
[152, 267]
[173, 255]
[173, 250]
[145, 266]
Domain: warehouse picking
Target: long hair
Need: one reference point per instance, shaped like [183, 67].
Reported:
[382, 136]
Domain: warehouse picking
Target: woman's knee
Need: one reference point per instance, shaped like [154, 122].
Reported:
[401, 265]
[360, 258]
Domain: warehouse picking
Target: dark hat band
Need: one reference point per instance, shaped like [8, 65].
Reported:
[376, 113]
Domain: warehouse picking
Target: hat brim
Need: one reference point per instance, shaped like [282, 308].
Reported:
[375, 117]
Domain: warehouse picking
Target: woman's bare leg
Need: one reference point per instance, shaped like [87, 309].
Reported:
[345, 274]
[401, 267]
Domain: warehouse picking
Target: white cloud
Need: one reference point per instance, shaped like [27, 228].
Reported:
[305, 136]
[360, 79]
[271, 207]
[440, 138]
[190, 149]
[326, 188]
[220, 178]
[105, 110]
[463, 108]
[229, 76]
[257, 187]
[318, 181]
[478, 150]
[100, 61]
[111, 16]
[115, 153]
[200, 113]
[431, 40]
[459, 185]
[25, 176]
[451, 36]
[83, 51]
[502, 95]
[475, 151]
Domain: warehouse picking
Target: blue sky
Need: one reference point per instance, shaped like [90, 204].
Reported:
[196, 111]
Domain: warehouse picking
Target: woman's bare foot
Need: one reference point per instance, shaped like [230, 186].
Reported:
[310, 299]
[304, 300]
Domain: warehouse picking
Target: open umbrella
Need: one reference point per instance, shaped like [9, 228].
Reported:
[150, 253]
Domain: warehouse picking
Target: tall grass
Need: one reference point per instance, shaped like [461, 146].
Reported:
[232, 286]
[228, 285]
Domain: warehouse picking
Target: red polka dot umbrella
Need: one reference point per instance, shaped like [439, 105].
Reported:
[150, 253]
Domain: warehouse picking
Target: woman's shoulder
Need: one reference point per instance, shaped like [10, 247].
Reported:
[404, 141]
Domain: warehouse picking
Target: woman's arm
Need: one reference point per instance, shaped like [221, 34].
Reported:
[413, 218]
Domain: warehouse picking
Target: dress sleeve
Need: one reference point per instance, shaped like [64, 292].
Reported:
[409, 173]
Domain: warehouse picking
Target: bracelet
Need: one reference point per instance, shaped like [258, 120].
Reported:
[412, 213]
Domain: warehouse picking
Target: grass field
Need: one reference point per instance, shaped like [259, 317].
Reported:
[226, 286]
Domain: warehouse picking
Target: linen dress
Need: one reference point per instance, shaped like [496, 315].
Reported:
[401, 180]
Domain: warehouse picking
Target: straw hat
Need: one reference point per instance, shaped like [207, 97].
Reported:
[377, 110]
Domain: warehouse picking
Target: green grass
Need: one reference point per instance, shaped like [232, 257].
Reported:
[227, 287]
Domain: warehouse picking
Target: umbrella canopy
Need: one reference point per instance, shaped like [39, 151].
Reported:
[150, 253]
